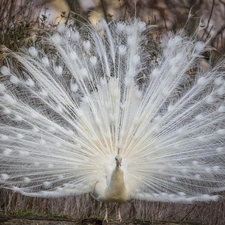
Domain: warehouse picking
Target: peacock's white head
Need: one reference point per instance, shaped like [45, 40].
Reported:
[118, 160]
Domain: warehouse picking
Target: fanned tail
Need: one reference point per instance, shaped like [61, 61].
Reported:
[60, 111]
[176, 153]
[68, 112]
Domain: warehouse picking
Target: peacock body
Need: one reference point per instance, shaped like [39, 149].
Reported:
[97, 94]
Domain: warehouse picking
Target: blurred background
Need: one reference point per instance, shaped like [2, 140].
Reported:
[20, 18]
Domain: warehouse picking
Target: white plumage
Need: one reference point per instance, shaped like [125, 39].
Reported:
[97, 94]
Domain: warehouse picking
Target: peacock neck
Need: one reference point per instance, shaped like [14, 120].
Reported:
[117, 178]
[116, 190]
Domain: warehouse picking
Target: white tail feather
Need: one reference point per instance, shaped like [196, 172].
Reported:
[67, 113]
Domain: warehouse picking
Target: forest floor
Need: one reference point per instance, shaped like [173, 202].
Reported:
[18, 220]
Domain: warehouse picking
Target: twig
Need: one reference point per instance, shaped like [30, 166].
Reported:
[210, 16]
[104, 10]
[222, 28]
[188, 213]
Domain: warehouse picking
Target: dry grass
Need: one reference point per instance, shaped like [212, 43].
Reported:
[81, 207]
[17, 23]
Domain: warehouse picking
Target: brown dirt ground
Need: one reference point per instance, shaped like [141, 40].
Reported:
[12, 220]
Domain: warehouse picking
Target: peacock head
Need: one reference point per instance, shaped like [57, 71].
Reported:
[118, 160]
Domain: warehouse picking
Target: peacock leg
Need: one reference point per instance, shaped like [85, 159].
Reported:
[119, 215]
[133, 211]
[106, 213]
